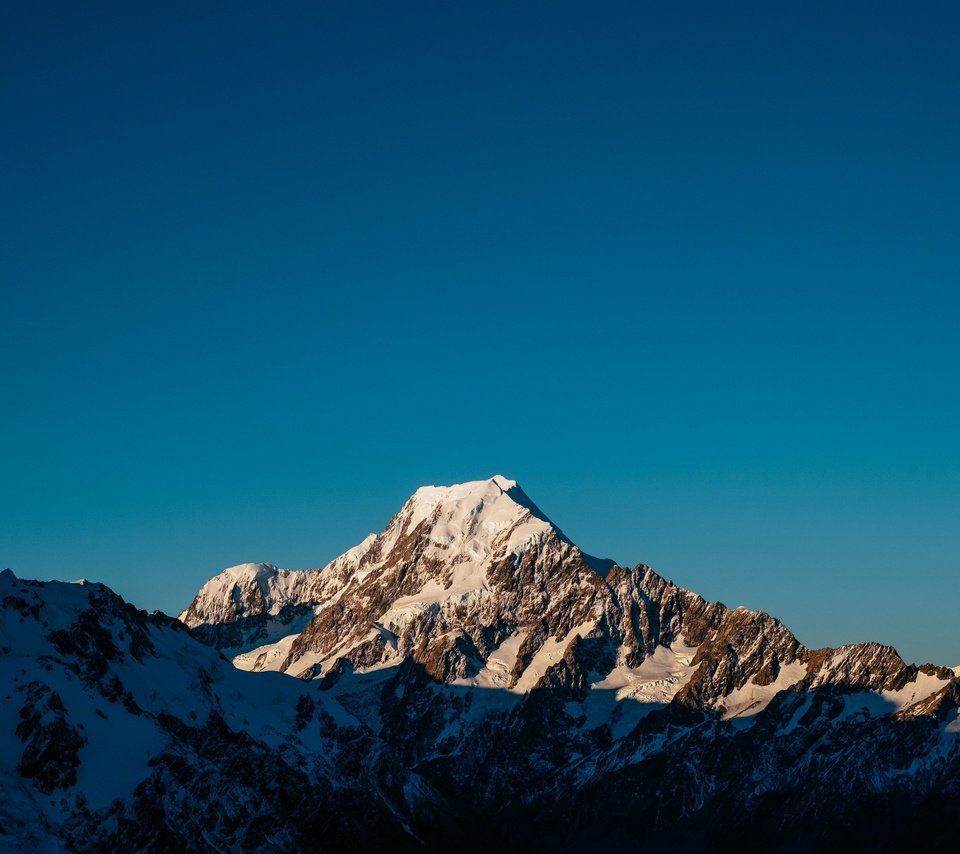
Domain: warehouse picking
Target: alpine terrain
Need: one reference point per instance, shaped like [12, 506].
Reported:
[467, 679]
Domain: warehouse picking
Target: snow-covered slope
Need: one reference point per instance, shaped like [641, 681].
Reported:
[104, 706]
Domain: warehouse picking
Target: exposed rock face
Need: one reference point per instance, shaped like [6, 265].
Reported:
[468, 680]
[51, 754]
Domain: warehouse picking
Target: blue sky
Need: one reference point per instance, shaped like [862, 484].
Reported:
[689, 274]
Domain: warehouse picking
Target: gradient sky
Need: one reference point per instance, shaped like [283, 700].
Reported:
[687, 272]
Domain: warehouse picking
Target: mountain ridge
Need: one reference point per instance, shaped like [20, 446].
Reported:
[464, 668]
[399, 589]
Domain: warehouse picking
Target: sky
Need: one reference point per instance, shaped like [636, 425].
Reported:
[687, 272]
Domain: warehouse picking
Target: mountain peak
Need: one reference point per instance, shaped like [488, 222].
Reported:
[478, 512]
[482, 490]
[248, 570]
[454, 557]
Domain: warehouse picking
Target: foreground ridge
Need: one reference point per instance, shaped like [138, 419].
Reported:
[468, 666]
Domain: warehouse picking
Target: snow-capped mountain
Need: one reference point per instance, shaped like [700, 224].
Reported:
[457, 574]
[467, 678]
[474, 583]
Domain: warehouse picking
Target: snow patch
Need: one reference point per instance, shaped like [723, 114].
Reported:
[500, 663]
[864, 704]
[549, 654]
[954, 726]
[800, 711]
[874, 703]
[270, 656]
[922, 687]
[751, 699]
[626, 694]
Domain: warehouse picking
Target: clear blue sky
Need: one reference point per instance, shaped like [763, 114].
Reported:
[687, 272]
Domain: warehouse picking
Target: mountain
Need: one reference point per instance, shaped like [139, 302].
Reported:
[467, 678]
[457, 573]
[477, 585]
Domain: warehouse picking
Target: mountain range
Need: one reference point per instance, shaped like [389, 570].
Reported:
[468, 678]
